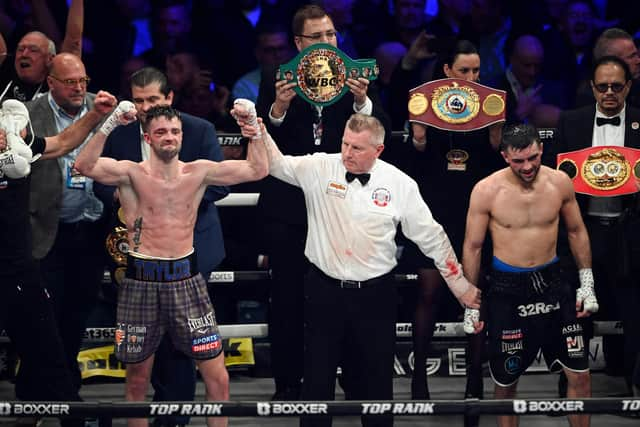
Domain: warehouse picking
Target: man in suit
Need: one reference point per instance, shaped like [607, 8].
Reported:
[173, 376]
[300, 128]
[66, 217]
[530, 99]
[610, 220]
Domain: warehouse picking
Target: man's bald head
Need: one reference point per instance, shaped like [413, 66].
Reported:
[67, 82]
[526, 59]
[33, 55]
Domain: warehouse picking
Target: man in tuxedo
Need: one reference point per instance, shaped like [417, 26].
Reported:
[67, 221]
[300, 128]
[610, 121]
[173, 376]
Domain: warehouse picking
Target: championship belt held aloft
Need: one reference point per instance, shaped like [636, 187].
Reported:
[321, 70]
[456, 105]
[602, 171]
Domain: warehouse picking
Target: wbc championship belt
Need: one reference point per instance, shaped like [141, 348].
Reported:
[117, 246]
[321, 70]
[456, 105]
[602, 171]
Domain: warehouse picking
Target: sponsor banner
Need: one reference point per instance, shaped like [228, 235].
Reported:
[100, 361]
[631, 405]
[189, 409]
[546, 406]
[230, 139]
[399, 408]
[266, 409]
[43, 409]
[238, 352]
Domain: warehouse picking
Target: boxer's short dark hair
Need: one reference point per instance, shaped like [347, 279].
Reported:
[165, 111]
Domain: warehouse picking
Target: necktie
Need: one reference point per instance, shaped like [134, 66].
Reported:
[615, 121]
[362, 177]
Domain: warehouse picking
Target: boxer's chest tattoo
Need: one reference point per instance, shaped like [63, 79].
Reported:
[137, 233]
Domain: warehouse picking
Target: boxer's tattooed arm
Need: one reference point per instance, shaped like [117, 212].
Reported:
[137, 232]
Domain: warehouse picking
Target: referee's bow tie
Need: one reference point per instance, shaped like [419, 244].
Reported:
[615, 121]
[362, 177]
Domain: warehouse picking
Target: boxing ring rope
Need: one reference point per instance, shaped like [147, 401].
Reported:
[105, 411]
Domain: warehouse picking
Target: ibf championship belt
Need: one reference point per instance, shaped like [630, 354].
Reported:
[602, 171]
[456, 105]
[321, 70]
[117, 246]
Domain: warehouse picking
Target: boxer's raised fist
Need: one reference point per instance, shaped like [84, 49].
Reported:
[124, 114]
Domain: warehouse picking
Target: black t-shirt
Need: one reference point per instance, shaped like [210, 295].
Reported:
[14, 88]
[447, 170]
[15, 228]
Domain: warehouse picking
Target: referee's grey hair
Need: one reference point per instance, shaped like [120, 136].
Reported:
[360, 122]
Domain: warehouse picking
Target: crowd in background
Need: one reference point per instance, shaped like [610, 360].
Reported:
[212, 50]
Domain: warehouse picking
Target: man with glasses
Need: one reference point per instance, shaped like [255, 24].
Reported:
[300, 128]
[26, 80]
[33, 55]
[66, 217]
[610, 220]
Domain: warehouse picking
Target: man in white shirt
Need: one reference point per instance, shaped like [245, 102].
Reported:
[355, 202]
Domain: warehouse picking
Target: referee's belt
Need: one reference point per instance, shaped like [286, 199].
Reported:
[352, 284]
[149, 269]
[456, 105]
[602, 171]
[321, 70]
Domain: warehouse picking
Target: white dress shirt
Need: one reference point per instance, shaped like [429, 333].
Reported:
[352, 227]
[608, 134]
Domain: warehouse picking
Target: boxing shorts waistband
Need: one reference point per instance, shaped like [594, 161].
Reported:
[149, 269]
[351, 284]
[527, 282]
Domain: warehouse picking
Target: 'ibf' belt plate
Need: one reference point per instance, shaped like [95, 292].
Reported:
[456, 105]
[602, 171]
[321, 71]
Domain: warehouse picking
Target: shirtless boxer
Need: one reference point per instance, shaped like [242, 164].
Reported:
[161, 291]
[529, 304]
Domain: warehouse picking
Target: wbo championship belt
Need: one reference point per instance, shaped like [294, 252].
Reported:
[117, 246]
[456, 105]
[602, 171]
[321, 70]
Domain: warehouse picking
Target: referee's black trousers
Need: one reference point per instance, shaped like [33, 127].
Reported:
[354, 328]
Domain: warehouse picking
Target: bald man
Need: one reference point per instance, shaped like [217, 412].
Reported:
[66, 218]
[529, 99]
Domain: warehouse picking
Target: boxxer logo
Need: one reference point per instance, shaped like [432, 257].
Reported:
[264, 408]
[519, 406]
[5, 408]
